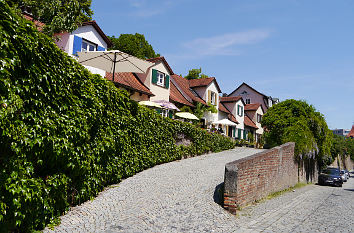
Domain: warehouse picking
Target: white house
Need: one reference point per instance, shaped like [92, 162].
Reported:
[252, 96]
[236, 106]
[255, 113]
[87, 37]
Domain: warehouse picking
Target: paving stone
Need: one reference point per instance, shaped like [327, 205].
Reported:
[178, 197]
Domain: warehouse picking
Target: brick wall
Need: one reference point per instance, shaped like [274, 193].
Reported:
[256, 176]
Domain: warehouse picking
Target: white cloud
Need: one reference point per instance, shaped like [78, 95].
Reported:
[226, 44]
[146, 9]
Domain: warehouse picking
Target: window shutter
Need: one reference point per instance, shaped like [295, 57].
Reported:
[167, 81]
[209, 96]
[77, 45]
[244, 134]
[154, 76]
[241, 110]
[170, 114]
[239, 134]
[238, 109]
[234, 128]
[158, 111]
[99, 48]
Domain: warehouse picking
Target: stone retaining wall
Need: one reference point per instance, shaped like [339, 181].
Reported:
[254, 177]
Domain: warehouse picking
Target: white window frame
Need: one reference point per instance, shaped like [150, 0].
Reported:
[213, 98]
[240, 110]
[88, 44]
[160, 79]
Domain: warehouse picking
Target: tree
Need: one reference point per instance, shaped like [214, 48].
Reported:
[135, 45]
[296, 121]
[57, 15]
[200, 109]
[195, 74]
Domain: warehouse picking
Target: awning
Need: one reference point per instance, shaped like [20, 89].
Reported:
[187, 115]
[224, 122]
[166, 104]
[150, 104]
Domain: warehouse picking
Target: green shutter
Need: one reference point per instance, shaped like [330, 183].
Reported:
[244, 134]
[167, 81]
[170, 114]
[241, 111]
[234, 129]
[239, 134]
[158, 111]
[154, 76]
[238, 109]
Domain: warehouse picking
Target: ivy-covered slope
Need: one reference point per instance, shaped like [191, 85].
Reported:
[65, 133]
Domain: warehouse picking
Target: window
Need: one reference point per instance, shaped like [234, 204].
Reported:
[248, 101]
[240, 110]
[259, 118]
[160, 79]
[88, 46]
[213, 98]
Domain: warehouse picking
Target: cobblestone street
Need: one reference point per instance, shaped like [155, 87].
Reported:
[180, 197]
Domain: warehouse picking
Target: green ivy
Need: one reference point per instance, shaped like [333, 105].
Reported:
[65, 134]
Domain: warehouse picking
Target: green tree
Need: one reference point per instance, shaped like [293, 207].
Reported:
[135, 45]
[195, 74]
[57, 15]
[200, 109]
[296, 121]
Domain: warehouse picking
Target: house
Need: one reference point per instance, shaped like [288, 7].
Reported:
[341, 132]
[351, 133]
[224, 113]
[87, 37]
[235, 105]
[252, 96]
[255, 113]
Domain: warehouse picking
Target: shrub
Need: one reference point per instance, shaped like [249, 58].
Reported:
[65, 134]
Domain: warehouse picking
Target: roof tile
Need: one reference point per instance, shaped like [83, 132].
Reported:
[130, 81]
[249, 122]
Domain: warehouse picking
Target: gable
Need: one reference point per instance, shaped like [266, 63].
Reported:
[89, 33]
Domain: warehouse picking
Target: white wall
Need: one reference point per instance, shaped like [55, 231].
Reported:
[161, 93]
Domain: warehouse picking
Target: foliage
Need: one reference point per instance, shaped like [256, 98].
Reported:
[296, 121]
[195, 74]
[250, 137]
[186, 108]
[200, 109]
[65, 133]
[57, 15]
[342, 147]
[135, 45]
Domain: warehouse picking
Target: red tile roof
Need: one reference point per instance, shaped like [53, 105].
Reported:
[247, 121]
[230, 99]
[248, 87]
[176, 96]
[130, 81]
[351, 133]
[163, 60]
[230, 116]
[203, 82]
[183, 84]
[39, 25]
[252, 107]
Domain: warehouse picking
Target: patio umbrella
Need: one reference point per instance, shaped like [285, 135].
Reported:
[166, 104]
[150, 104]
[187, 115]
[114, 61]
[224, 122]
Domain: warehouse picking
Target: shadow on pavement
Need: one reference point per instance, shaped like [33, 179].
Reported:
[349, 190]
[219, 194]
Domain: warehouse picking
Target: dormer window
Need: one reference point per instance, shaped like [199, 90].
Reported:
[211, 97]
[161, 79]
[248, 101]
[88, 46]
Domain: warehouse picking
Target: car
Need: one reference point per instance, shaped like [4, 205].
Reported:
[330, 176]
[351, 173]
[347, 173]
[343, 175]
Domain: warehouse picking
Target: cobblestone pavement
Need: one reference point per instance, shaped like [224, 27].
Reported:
[179, 197]
[172, 197]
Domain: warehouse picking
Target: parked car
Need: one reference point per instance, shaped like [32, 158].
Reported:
[343, 176]
[351, 173]
[330, 176]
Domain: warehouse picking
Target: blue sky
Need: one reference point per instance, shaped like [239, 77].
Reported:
[296, 49]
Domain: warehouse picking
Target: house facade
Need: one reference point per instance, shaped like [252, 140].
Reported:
[252, 96]
[236, 106]
[87, 37]
[255, 113]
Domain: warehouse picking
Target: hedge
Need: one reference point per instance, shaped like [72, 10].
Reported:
[65, 133]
